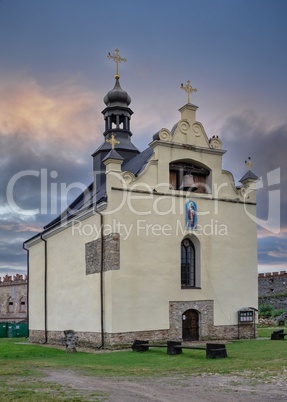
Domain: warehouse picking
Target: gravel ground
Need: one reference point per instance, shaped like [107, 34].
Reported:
[203, 388]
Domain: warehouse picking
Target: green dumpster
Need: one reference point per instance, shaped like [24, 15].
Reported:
[17, 330]
[3, 329]
[10, 330]
[21, 329]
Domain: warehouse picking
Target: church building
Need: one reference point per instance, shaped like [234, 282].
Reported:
[161, 245]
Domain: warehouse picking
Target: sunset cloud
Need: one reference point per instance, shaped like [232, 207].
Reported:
[45, 113]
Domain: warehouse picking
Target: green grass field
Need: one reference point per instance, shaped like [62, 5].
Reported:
[22, 365]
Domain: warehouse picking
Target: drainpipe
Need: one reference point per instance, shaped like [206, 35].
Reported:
[102, 280]
[26, 249]
[45, 289]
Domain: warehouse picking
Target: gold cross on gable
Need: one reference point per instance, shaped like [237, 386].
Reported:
[188, 88]
[248, 163]
[117, 59]
[113, 141]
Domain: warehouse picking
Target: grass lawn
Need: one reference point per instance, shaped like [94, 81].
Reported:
[22, 365]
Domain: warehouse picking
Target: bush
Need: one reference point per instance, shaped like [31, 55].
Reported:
[266, 311]
[277, 313]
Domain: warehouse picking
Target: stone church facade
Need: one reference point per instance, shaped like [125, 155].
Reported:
[160, 246]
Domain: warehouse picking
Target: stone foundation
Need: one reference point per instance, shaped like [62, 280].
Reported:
[129, 337]
[37, 336]
[90, 339]
[93, 339]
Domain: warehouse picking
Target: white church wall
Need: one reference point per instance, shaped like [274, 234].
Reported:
[76, 308]
[73, 298]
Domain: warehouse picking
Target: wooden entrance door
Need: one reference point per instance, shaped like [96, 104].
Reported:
[190, 326]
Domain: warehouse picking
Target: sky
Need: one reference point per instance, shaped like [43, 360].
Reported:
[54, 73]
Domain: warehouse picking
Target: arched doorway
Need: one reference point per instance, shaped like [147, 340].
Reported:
[190, 325]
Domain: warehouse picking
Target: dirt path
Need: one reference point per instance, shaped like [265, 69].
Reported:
[205, 388]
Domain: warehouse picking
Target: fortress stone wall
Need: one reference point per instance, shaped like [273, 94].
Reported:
[272, 289]
[13, 298]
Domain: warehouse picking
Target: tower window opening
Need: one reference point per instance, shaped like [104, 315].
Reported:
[188, 177]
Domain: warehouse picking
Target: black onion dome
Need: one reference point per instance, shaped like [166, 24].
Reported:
[117, 96]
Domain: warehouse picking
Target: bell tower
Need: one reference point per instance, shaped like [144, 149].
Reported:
[117, 116]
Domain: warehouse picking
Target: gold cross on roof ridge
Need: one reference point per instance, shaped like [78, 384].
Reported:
[117, 59]
[188, 88]
[113, 141]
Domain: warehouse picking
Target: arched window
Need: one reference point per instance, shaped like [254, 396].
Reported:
[10, 305]
[22, 306]
[188, 264]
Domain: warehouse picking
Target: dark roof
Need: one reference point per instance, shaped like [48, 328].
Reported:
[138, 163]
[248, 176]
[117, 96]
[113, 154]
[84, 201]
[87, 198]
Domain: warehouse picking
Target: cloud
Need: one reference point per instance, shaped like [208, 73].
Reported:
[263, 233]
[62, 111]
[243, 136]
[278, 254]
[272, 267]
[45, 132]
[247, 135]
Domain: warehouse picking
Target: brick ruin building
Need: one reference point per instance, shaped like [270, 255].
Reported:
[13, 298]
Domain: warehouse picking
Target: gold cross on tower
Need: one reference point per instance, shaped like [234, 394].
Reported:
[188, 88]
[113, 141]
[117, 59]
[248, 163]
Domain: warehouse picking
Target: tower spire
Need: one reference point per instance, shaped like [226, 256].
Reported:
[117, 134]
[117, 59]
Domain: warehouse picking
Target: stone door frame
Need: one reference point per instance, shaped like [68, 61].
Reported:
[205, 309]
